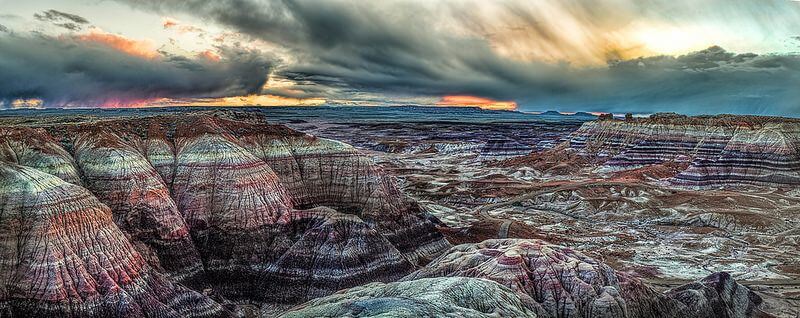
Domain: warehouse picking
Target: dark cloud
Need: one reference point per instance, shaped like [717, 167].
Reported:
[4, 29]
[62, 19]
[67, 71]
[708, 81]
[344, 49]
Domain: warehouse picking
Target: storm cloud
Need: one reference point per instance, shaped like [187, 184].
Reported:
[62, 19]
[67, 71]
[570, 55]
[450, 48]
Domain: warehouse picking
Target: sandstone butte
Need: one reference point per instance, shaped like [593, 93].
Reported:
[184, 216]
[722, 150]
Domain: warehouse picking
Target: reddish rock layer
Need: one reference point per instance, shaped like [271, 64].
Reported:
[238, 204]
[766, 156]
[62, 256]
[35, 148]
[724, 150]
[124, 180]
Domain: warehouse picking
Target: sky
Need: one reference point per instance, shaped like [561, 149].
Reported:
[639, 56]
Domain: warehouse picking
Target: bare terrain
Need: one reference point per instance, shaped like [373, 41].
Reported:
[668, 216]
[635, 218]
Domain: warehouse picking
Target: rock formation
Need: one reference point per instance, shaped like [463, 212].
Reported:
[255, 212]
[769, 155]
[114, 216]
[37, 149]
[429, 297]
[122, 178]
[717, 295]
[565, 283]
[62, 256]
[721, 150]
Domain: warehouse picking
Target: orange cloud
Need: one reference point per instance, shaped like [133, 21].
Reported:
[169, 22]
[209, 55]
[249, 100]
[144, 49]
[132, 103]
[27, 103]
[474, 101]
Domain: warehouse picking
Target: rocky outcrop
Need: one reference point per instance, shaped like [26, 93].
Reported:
[720, 150]
[122, 178]
[504, 148]
[429, 297]
[61, 255]
[717, 295]
[322, 172]
[256, 212]
[35, 148]
[769, 155]
[566, 283]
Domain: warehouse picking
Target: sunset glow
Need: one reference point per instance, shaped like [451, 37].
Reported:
[474, 101]
[251, 100]
[27, 103]
[144, 49]
[209, 55]
[610, 56]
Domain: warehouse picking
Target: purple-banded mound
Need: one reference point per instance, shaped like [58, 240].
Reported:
[720, 150]
[531, 278]
[254, 212]
[61, 255]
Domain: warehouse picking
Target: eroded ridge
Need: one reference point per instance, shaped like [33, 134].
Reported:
[62, 256]
[252, 211]
[428, 297]
[567, 283]
[719, 150]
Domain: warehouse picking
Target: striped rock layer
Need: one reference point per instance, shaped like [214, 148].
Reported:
[429, 297]
[256, 212]
[567, 284]
[61, 255]
[721, 150]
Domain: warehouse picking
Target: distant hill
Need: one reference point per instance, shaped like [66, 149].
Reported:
[584, 114]
[551, 113]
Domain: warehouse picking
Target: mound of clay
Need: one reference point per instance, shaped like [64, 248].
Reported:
[429, 297]
[61, 255]
[256, 212]
[720, 150]
[566, 283]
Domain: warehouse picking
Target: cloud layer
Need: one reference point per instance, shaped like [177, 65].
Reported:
[65, 20]
[73, 71]
[343, 48]
[571, 55]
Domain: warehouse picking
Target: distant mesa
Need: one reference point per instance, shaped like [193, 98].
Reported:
[722, 150]
[577, 114]
[585, 114]
[551, 113]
